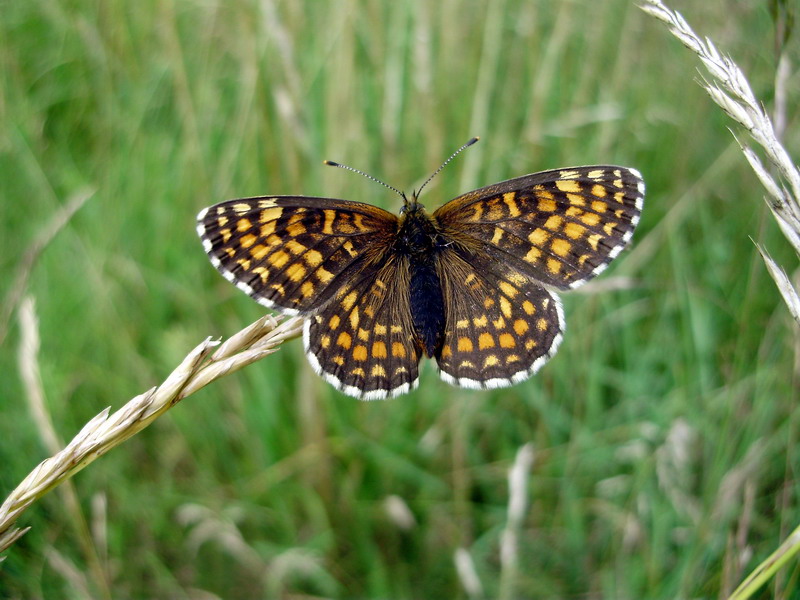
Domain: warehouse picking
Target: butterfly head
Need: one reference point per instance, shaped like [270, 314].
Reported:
[411, 206]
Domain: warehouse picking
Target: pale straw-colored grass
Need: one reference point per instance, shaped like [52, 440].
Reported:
[45, 235]
[518, 503]
[517, 508]
[209, 361]
[399, 512]
[37, 406]
[730, 90]
[778, 174]
[468, 574]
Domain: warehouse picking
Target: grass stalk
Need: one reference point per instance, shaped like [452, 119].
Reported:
[104, 432]
[729, 88]
[517, 506]
[57, 222]
[467, 574]
[767, 569]
[35, 396]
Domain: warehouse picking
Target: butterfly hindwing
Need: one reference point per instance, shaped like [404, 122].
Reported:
[500, 329]
[362, 342]
[559, 227]
[293, 252]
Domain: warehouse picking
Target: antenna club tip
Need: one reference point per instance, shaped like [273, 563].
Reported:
[473, 140]
[330, 163]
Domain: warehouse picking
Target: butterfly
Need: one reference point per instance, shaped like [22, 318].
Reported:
[471, 285]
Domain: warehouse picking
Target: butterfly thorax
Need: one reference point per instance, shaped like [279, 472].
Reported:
[420, 241]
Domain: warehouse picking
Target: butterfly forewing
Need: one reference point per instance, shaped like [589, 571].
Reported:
[293, 252]
[559, 227]
[362, 342]
[500, 329]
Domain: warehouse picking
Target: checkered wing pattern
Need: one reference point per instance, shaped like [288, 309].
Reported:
[501, 327]
[362, 342]
[560, 227]
[497, 252]
[294, 252]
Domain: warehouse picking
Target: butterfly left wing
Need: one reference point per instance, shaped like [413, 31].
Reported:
[362, 342]
[559, 227]
[294, 253]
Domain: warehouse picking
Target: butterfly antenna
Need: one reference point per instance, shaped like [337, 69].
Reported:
[330, 163]
[444, 164]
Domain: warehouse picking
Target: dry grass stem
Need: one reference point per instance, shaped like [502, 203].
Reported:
[31, 378]
[467, 574]
[785, 286]
[730, 90]
[106, 431]
[59, 219]
[399, 513]
[35, 396]
[517, 506]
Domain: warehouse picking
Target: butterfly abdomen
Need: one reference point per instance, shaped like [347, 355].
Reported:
[419, 239]
[427, 305]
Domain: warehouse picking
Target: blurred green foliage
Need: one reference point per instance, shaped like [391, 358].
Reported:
[664, 429]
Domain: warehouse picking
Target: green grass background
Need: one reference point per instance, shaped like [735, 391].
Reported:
[664, 430]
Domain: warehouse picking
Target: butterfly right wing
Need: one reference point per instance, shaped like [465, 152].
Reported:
[294, 253]
[559, 227]
[501, 326]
